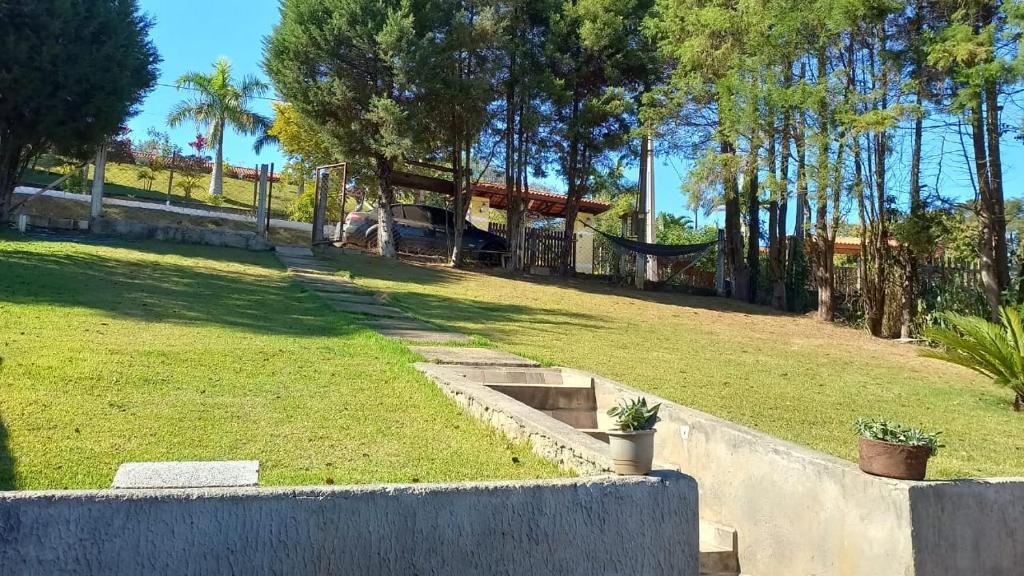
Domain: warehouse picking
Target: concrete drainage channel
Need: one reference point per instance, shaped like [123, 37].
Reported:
[554, 409]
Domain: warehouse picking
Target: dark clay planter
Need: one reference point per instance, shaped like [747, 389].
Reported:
[893, 460]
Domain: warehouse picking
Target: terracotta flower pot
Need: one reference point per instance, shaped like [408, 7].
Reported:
[632, 452]
[894, 460]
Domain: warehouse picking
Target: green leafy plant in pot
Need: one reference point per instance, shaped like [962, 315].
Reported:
[632, 442]
[895, 451]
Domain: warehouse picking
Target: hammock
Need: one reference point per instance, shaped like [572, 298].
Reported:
[663, 250]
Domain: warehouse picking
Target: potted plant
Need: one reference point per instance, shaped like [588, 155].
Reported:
[632, 441]
[893, 450]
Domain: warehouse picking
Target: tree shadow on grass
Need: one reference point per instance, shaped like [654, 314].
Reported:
[374, 267]
[6, 459]
[489, 318]
[165, 291]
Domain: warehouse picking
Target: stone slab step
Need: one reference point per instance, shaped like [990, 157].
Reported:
[310, 270]
[366, 309]
[303, 264]
[349, 297]
[335, 288]
[415, 331]
[425, 336]
[472, 357]
[153, 475]
[294, 251]
[314, 277]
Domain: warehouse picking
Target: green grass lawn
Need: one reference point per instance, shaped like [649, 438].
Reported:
[139, 352]
[122, 181]
[62, 209]
[786, 375]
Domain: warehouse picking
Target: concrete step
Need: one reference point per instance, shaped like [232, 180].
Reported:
[718, 550]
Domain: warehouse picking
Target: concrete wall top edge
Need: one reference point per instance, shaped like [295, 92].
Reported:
[791, 449]
[346, 490]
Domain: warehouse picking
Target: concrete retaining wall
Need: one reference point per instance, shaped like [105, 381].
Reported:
[798, 511]
[181, 234]
[599, 526]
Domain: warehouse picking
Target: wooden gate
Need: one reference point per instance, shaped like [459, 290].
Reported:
[543, 247]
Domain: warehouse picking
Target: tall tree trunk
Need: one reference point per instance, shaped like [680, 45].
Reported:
[780, 301]
[874, 230]
[995, 167]
[461, 191]
[10, 168]
[386, 244]
[733, 229]
[908, 255]
[986, 212]
[753, 196]
[824, 271]
[217, 175]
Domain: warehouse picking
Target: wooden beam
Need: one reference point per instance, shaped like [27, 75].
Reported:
[419, 182]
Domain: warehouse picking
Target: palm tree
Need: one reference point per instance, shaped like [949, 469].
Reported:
[993, 350]
[218, 102]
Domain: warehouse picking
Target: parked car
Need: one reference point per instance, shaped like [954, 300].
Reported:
[421, 229]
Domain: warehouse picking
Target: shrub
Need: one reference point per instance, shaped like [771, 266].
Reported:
[992, 350]
[893, 433]
[188, 183]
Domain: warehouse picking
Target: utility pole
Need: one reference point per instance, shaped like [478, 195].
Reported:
[647, 226]
[651, 217]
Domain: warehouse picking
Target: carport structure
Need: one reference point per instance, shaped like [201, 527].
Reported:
[544, 204]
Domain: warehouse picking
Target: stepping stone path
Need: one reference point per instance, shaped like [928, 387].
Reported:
[151, 475]
[415, 331]
[350, 297]
[345, 296]
[473, 357]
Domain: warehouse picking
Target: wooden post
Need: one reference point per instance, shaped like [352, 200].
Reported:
[261, 203]
[99, 173]
[270, 196]
[320, 207]
[170, 177]
[344, 200]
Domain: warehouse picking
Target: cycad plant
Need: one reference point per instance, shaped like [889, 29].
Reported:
[994, 350]
[217, 102]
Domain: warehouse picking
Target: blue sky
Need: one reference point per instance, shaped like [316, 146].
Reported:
[191, 35]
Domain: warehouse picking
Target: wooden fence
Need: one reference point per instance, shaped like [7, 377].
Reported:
[543, 247]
